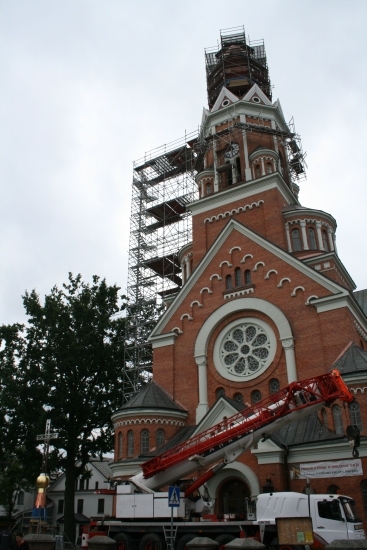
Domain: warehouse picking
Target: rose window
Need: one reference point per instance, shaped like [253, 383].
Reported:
[245, 349]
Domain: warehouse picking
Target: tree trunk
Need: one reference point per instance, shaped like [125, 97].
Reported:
[69, 497]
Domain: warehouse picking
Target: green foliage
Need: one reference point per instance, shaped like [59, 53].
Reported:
[66, 365]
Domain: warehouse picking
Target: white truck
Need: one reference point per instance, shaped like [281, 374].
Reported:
[142, 511]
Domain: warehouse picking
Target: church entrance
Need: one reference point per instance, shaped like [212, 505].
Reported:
[231, 496]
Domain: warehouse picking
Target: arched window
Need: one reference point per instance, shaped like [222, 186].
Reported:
[220, 392]
[247, 277]
[255, 396]
[159, 438]
[269, 168]
[119, 445]
[364, 494]
[312, 239]
[144, 442]
[237, 276]
[325, 241]
[333, 489]
[274, 385]
[355, 415]
[229, 282]
[257, 171]
[208, 188]
[20, 499]
[338, 421]
[238, 397]
[296, 240]
[130, 443]
[238, 167]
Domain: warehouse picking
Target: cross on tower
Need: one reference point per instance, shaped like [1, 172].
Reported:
[46, 438]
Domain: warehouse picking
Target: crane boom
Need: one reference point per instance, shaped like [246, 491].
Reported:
[232, 436]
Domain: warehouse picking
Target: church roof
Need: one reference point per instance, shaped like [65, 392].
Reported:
[361, 297]
[308, 429]
[152, 397]
[353, 359]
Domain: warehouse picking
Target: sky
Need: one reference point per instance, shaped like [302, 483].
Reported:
[89, 86]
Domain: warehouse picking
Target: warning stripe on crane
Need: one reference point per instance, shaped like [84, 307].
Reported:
[323, 389]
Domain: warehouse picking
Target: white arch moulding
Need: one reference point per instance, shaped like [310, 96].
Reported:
[242, 304]
[235, 469]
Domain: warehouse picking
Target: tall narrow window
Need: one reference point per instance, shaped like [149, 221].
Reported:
[237, 276]
[255, 396]
[144, 442]
[324, 418]
[100, 509]
[247, 277]
[269, 168]
[274, 385]
[119, 445]
[159, 438]
[296, 240]
[338, 421]
[229, 282]
[60, 506]
[80, 505]
[257, 171]
[130, 443]
[81, 484]
[208, 189]
[355, 415]
[325, 241]
[20, 500]
[312, 239]
[238, 166]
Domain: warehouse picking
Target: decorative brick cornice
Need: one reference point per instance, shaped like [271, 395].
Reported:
[140, 421]
[360, 331]
[234, 211]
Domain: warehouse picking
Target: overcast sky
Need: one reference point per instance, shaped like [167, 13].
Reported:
[88, 86]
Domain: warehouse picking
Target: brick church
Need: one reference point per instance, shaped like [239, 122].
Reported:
[265, 300]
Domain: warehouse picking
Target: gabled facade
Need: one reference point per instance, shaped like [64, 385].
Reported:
[265, 298]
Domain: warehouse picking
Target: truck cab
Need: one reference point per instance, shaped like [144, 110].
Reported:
[333, 516]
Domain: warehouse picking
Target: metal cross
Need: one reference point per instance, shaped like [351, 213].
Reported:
[46, 438]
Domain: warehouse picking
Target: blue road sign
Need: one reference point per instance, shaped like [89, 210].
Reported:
[174, 497]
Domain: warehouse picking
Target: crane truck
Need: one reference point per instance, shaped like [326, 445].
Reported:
[142, 511]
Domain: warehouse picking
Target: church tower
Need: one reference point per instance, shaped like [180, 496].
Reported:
[264, 298]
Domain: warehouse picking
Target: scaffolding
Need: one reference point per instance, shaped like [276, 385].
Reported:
[237, 64]
[163, 184]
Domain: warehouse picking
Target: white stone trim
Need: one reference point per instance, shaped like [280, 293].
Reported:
[294, 292]
[177, 329]
[243, 305]
[237, 192]
[244, 258]
[196, 303]
[235, 469]
[138, 421]
[267, 276]
[166, 416]
[217, 276]
[360, 331]
[257, 265]
[161, 340]
[285, 279]
[207, 289]
[338, 291]
[308, 302]
[237, 293]
[224, 263]
[186, 316]
[235, 248]
[234, 211]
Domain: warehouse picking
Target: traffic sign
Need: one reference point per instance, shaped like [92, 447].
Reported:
[174, 497]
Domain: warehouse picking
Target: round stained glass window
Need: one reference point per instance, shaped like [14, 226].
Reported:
[244, 349]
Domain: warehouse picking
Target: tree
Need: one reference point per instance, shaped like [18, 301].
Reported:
[70, 362]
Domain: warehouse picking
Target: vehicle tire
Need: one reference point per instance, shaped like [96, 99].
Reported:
[151, 541]
[122, 541]
[222, 540]
[183, 541]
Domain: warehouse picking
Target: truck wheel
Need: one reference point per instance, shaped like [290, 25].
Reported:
[275, 546]
[122, 541]
[222, 540]
[183, 541]
[150, 541]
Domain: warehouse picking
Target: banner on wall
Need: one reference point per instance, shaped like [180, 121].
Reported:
[339, 468]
